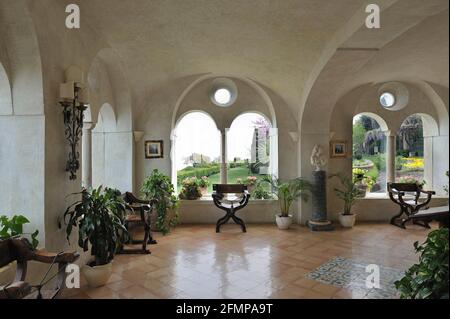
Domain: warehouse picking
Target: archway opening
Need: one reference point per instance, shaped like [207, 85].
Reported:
[410, 153]
[369, 151]
[197, 145]
[249, 155]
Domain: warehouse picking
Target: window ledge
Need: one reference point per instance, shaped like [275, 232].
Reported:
[207, 200]
[375, 196]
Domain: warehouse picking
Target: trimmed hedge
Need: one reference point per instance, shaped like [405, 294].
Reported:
[199, 172]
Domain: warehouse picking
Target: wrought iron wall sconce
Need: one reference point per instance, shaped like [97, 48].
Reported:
[74, 100]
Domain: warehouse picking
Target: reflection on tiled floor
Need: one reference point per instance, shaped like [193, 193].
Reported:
[351, 274]
[195, 262]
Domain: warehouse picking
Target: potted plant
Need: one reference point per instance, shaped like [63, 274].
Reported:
[287, 192]
[158, 187]
[250, 182]
[204, 183]
[429, 278]
[359, 177]
[11, 227]
[190, 189]
[260, 193]
[98, 216]
[348, 194]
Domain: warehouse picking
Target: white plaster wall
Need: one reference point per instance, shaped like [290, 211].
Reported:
[22, 170]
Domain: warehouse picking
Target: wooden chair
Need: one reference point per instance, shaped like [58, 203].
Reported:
[139, 214]
[230, 205]
[397, 192]
[20, 250]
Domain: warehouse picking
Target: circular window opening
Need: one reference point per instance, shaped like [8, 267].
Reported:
[387, 100]
[222, 96]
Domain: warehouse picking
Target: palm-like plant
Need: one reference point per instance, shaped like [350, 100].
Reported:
[288, 192]
[348, 193]
[98, 216]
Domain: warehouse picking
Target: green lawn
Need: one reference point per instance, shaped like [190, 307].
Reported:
[233, 175]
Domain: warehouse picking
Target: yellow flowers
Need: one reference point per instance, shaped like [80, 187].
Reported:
[413, 163]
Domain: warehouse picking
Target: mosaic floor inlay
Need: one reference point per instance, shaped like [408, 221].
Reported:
[351, 274]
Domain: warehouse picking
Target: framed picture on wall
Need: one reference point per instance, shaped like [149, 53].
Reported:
[154, 149]
[338, 149]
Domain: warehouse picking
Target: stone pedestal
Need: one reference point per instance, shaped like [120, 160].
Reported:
[319, 221]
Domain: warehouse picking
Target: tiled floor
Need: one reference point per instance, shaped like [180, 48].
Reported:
[195, 262]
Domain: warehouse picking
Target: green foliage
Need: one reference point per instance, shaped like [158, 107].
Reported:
[98, 216]
[159, 187]
[12, 227]
[429, 278]
[190, 188]
[359, 134]
[287, 192]
[204, 182]
[198, 171]
[348, 193]
[260, 193]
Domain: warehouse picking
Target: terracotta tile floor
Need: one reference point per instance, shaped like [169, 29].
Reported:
[195, 262]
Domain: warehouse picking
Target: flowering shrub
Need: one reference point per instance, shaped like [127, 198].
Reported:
[249, 181]
[204, 182]
[413, 163]
[360, 175]
[411, 180]
[190, 188]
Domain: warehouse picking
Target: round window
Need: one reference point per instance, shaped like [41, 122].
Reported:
[222, 96]
[387, 100]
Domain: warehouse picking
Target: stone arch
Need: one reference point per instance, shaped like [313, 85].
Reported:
[5, 93]
[22, 49]
[107, 66]
[381, 122]
[251, 83]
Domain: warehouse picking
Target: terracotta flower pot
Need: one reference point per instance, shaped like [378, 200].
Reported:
[204, 191]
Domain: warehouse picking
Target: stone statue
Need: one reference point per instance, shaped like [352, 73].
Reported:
[318, 160]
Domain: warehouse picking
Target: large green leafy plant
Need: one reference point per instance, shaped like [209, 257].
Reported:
[158, 187]
[13, 227]
[287, 192]
[98, 216]
[348, 193]
[429, 278]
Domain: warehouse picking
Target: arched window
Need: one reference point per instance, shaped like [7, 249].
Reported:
[369, 151]
[197, 144]
[410, 160]
[104, 171]
[249, 148]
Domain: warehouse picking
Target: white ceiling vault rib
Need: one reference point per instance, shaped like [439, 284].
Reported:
[395, 21]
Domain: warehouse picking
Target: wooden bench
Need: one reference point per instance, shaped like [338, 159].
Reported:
[20, 250]
[138, 214]
[439, 214]
[408, 208]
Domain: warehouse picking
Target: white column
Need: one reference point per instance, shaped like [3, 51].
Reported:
[390, 157]
[223, 156]
[86, 151]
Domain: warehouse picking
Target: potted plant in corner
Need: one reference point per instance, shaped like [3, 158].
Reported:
[98, 217]
[204, 183]
[287, 193]
[348, 194]
[158, 187]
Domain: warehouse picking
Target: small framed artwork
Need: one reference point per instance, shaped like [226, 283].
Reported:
[154, 149]
[338, 149]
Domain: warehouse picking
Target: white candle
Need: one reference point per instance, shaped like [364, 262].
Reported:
[66, 90]
[84, 96]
